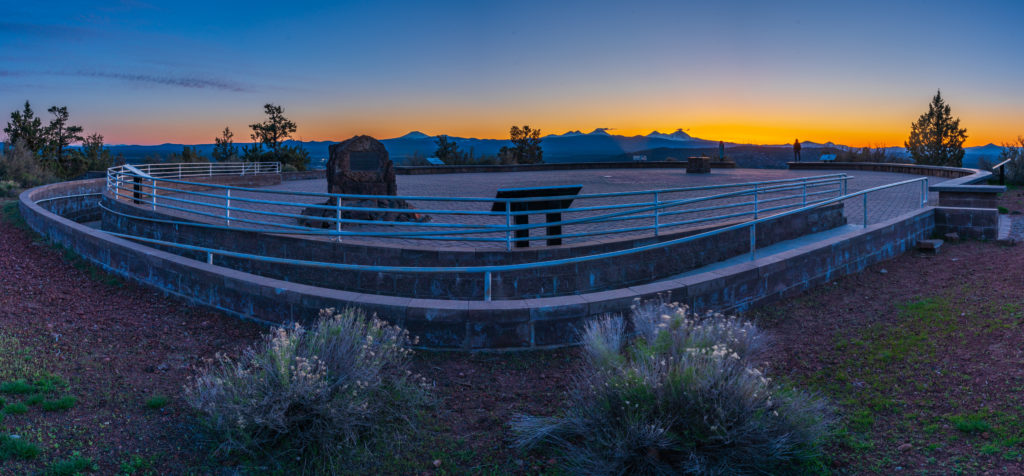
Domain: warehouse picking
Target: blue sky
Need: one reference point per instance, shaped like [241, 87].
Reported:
[763, 72]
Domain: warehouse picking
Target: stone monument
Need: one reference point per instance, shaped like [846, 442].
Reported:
[361, 166]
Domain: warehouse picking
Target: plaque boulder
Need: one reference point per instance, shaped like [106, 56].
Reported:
[361, 166]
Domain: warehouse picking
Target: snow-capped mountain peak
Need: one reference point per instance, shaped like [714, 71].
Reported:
[679, 134]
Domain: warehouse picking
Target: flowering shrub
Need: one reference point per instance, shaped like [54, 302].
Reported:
[682, 396]
[313, 396]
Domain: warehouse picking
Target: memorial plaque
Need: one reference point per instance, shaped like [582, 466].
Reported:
[363, 161]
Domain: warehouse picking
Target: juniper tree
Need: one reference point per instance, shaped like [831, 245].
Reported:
[274, 130]
[525, 147]
[447, 151]
[27, 128]
[936, 138]
[225, 148]
[59, 134]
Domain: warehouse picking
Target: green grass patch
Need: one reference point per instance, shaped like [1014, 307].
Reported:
[11, 214]
[1003, 210]
[34, 399]
[63, 403]
[972, 423]
[76, 464]
[17, 387]
[16, 408]
[16, 448]
[157, 402]
[136, 465]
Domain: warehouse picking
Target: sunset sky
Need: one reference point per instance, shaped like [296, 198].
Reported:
[856, 72]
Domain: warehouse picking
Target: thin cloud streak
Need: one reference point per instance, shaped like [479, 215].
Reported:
[179, 81]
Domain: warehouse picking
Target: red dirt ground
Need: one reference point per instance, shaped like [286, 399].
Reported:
[923, 364]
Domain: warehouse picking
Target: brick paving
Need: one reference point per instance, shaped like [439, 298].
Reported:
[882, 205]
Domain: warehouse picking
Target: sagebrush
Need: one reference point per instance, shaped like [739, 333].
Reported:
[682, 395]
[314, 397]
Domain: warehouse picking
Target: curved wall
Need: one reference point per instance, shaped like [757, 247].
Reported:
[575, 278]
[462, 324]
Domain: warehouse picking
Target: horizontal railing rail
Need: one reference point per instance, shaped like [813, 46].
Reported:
[161, 186]
[488, 270]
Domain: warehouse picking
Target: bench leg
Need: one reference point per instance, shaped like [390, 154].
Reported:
[522, 220]
[554, 230]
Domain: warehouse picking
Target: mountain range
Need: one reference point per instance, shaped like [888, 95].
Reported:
[598, 145]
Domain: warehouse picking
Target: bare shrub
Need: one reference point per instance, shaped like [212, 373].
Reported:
[682, 397]
[1014, 152]
[320, 396]
[20, 165]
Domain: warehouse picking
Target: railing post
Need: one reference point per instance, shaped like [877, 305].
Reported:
[865, 210]
[209, 257]
[926, 190]
[117, 186]
[923, 193]
[804, 199]
[337, 210]
[211, 170]
[755, 201]
[152, 190]
[508, 225]
[753, 240]
[657, 212]
[227, 207]
[487, 285]
[179, 171]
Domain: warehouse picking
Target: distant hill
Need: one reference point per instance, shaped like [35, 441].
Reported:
[574, 146]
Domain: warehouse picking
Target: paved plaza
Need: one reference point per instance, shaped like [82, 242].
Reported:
[882, 205]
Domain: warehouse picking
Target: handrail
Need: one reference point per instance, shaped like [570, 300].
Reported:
[487, 270]
[162, 178]
[1002, 170]
[1001, 164]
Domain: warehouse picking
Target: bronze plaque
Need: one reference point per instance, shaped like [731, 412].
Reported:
[363, 161]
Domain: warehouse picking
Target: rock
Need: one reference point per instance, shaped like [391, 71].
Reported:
[952, 237]
[905, 447]
[361, 166]
[929, 245]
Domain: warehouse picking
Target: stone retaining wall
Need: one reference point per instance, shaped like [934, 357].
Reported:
[971, 223]
[472, 169]
[461, 324]
[576, 278]
[913, 169]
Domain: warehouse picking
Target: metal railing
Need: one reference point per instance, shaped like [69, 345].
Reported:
[1002, 170]
[487, 271]
[653, 211]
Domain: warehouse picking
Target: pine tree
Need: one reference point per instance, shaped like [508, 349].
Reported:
[225, 149]
[59, 134]
[936, 138]
[274, 130]
[526, 147]
[26, 127]
[447, 151]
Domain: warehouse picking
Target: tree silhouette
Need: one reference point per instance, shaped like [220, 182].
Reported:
[225, 148]
[27, 128]
[274, 130]
[447, 151]
[936, 138]
[525, 147]
[59, 134]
